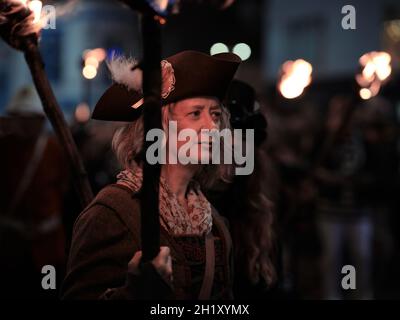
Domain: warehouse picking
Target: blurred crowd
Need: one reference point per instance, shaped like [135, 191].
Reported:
[323, 195]
[335, 196]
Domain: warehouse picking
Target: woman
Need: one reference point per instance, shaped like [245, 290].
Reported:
[195, 254]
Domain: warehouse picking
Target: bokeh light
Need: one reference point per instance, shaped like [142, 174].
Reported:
[89, 71]
[218, 48]
[242, 50]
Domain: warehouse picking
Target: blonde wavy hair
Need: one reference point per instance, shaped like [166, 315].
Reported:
[128, 141]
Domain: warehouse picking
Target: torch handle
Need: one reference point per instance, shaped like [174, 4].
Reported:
[56, 117]
[150, 223]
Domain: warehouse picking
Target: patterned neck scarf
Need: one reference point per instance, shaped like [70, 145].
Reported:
[197, 221]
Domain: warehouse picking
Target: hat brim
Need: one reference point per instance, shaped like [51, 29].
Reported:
[197, 74]
[113, 104]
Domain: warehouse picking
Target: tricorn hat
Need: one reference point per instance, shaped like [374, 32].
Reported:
[184, 75]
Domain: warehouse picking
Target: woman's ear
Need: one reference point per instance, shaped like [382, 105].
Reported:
[165, 117]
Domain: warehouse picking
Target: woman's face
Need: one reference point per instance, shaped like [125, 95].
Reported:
[197, 114]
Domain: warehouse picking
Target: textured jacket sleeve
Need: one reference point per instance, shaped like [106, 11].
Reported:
[101, 249]
[98, 262]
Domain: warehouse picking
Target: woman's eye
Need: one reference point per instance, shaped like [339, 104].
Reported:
[195, 114]
[216, 115]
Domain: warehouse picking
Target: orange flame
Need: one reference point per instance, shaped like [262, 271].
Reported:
[296, 76]
[376, 70]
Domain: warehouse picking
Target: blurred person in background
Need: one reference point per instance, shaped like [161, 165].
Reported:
[293, 131]
[245, 202]
[345, 216]
[380, 186]
[33, 182]
[93, 142]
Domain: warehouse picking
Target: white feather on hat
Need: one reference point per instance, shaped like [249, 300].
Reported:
[125, 71]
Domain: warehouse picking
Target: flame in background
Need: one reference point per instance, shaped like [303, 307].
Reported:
[82, 113]
[376, 70]
[296, 76]
[92, 59]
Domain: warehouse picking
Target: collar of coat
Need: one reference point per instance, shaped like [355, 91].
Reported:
[126, 205]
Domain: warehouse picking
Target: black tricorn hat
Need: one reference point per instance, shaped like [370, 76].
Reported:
[184, 75]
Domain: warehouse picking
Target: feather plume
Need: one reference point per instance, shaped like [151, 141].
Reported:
[125, 71]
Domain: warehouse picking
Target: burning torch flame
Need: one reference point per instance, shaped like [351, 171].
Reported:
[35, 21]
[376, 69]
[36, 7]
[296, 75]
